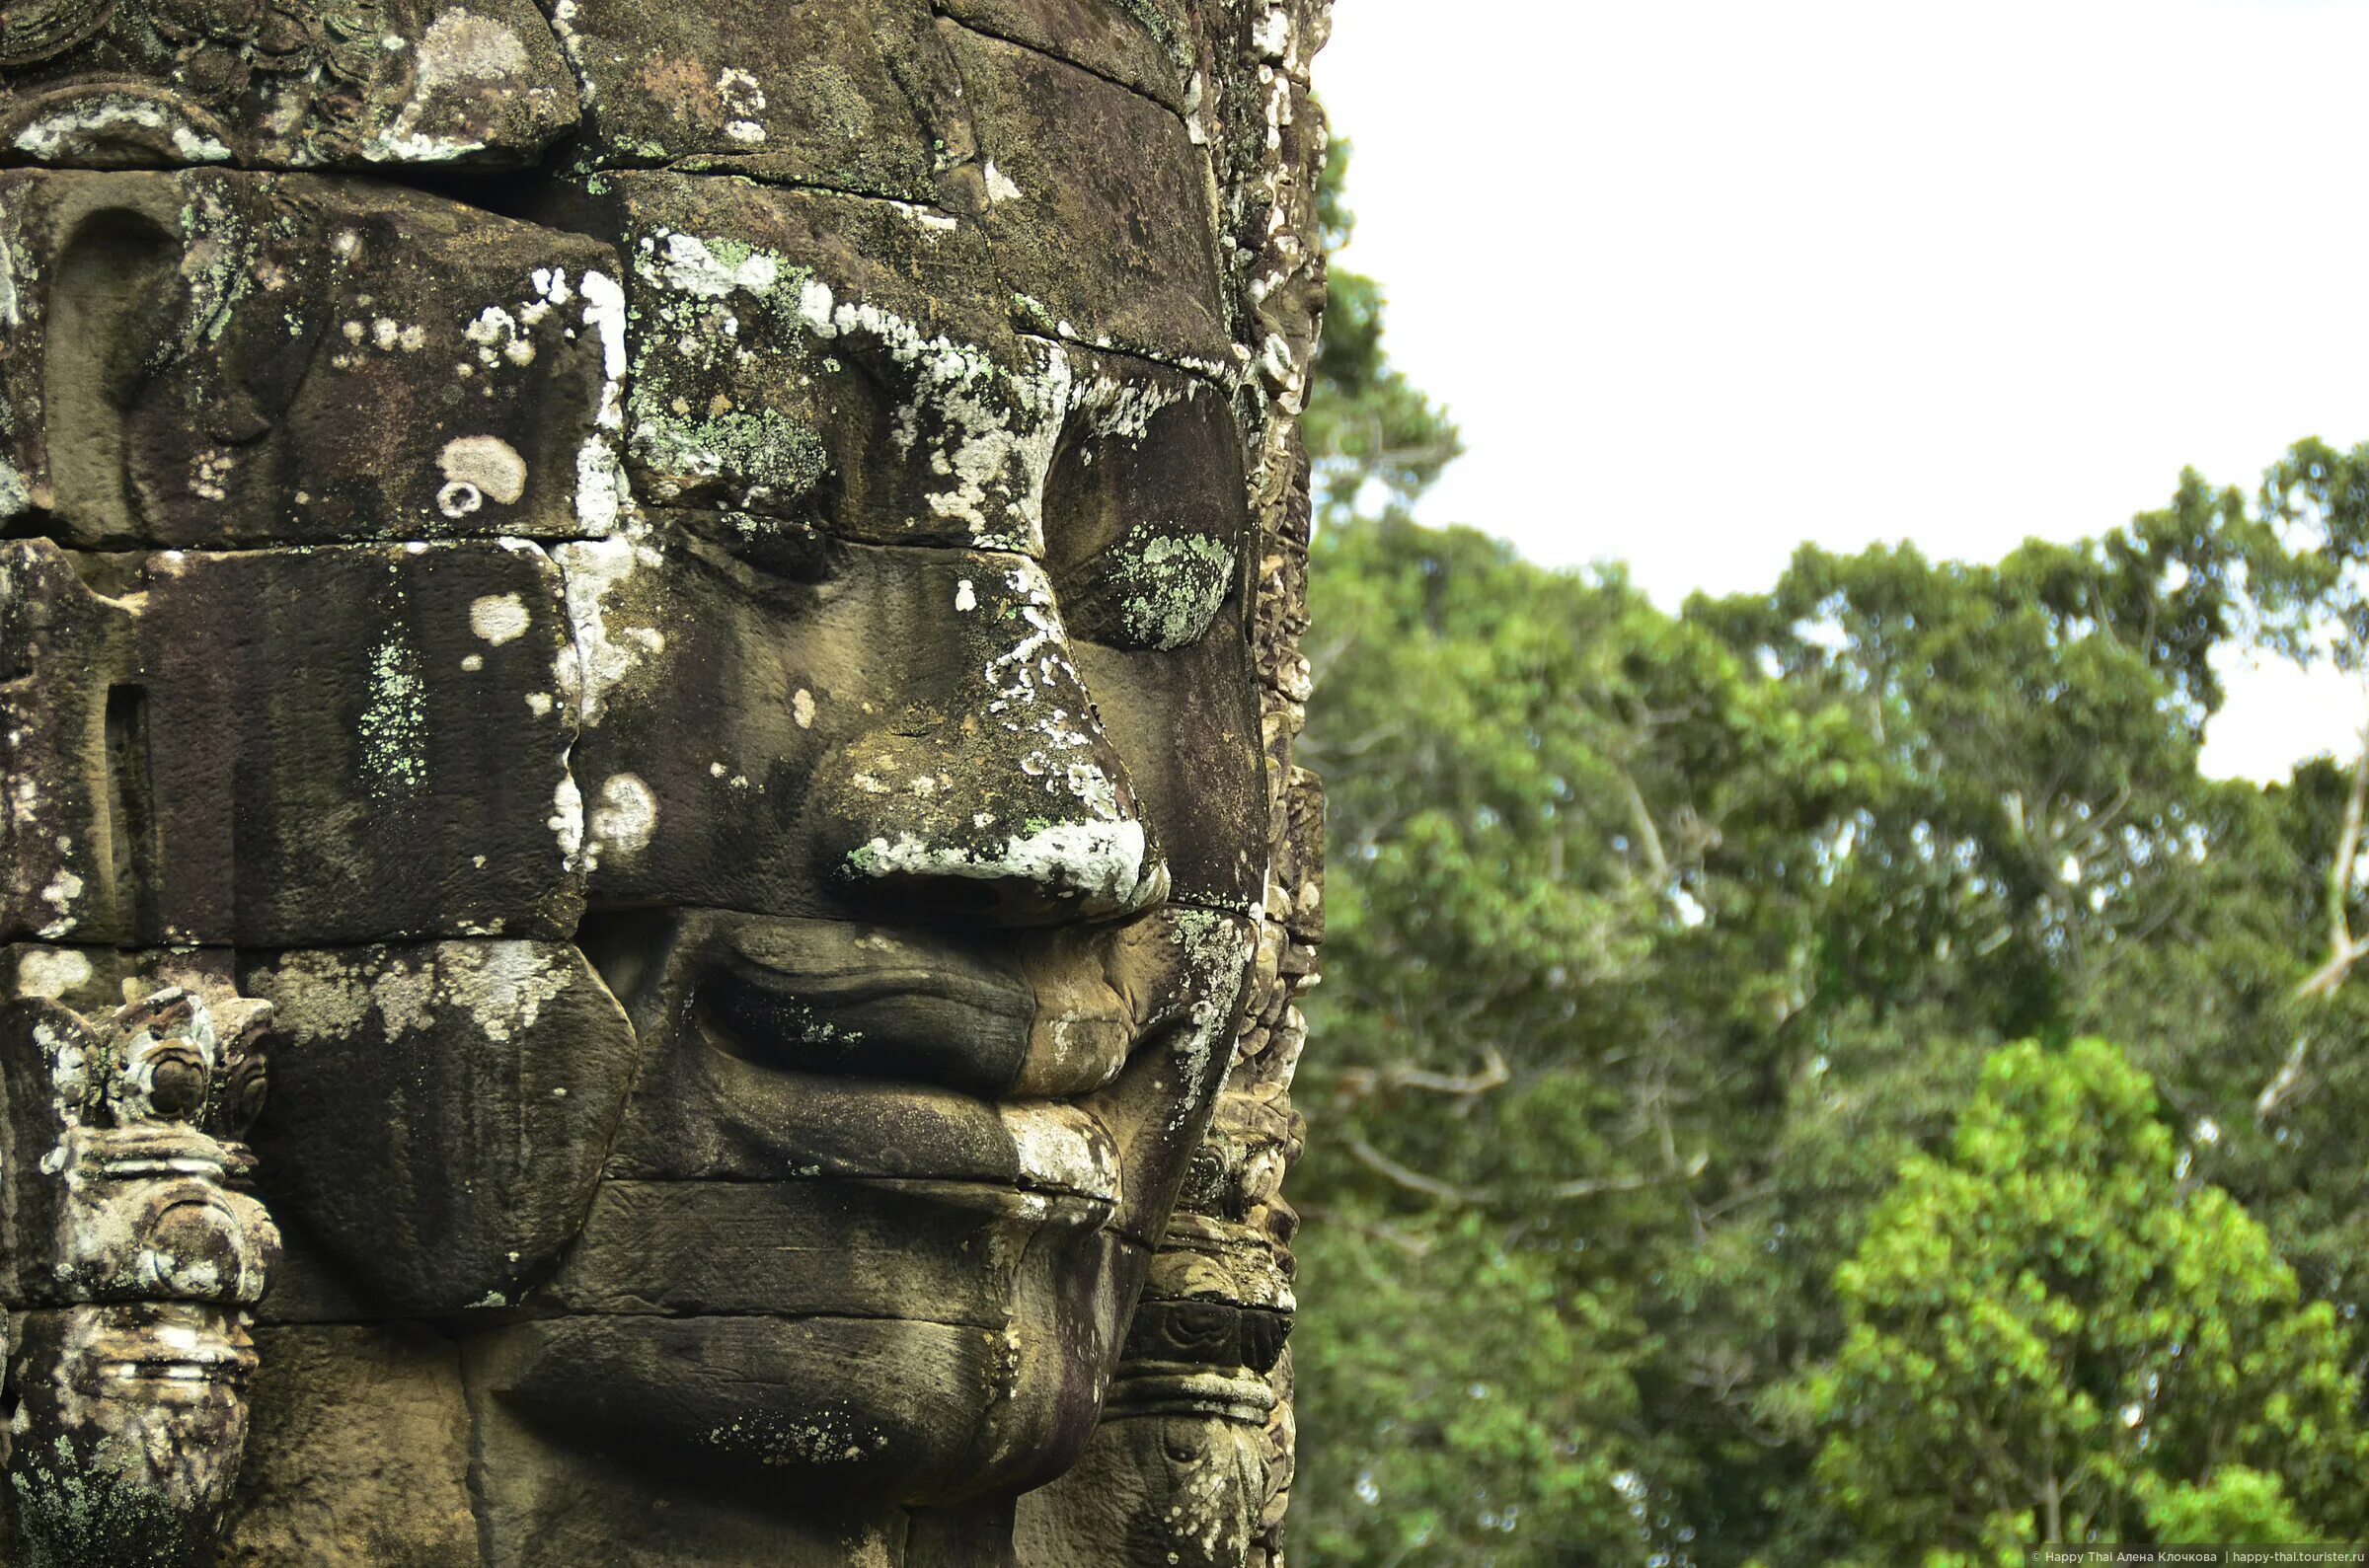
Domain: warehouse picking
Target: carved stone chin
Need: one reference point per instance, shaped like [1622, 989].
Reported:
[700, 604]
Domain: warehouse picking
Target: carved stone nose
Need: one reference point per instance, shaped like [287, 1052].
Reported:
[994, 794]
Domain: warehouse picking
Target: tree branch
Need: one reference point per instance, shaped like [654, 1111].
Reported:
[1649, 837]
[2343, 949]
[1562, 1191]
[1360, 1082]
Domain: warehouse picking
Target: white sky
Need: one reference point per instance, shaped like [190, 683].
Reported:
[1702, 279]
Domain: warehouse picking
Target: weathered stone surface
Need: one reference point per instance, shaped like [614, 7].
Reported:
[85, 979]
[70, 839]
[360, 1453]
[601, 1500]
[1179, 1489]
[736, 687]
[1148, 46]
[818, 1247]
[118, 1147]
[826, 359]
[439, 1113]
[127, 1231]
[345, 84]
[219, 761]
[281, 304]
[790, 785]
[850, 98]
[393, 767]
[759, 1400]
[1098, 205]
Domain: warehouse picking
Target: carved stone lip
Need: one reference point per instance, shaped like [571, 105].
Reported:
[771, 1125]
[167, 1357]
[828, 999]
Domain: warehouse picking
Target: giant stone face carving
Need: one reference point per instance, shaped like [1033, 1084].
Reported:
[685, 615]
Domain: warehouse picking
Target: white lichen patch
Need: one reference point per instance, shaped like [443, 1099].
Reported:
[103, 116]
[500, 337]
[1122, 409]
[986, 428]
[51, 972]
[801, 709]
[625, 814]
[486, 464]
[460, 54]
[499, 618]
[499, 986]
[1216, 951]
[1062, 1148]
[600, 485]
[929, 219]
[563, 15]
[567, 822]
[713, 270]
[999, 184]
[1105, 862]
[12, 313]
[745, 100]
[606, 644]
[1037, 693]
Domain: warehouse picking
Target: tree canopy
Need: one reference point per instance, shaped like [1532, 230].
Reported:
[1681, 967]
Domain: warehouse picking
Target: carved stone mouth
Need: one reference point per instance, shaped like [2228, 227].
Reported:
[828, 999]
[176, 1369]
[167, 1359]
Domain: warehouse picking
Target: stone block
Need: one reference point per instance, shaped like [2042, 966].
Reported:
[359, 1453]
[71, 829]
[953, 1252]
[361, 742]
[189, 352]
[1147, 46]
[332, 83]
[828, 359]
[438, 1113]
[1098, 206]
[851, 98]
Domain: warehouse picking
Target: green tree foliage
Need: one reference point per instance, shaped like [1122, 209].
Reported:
[2053, 1335]
[1463, 1466]
[1660, 943]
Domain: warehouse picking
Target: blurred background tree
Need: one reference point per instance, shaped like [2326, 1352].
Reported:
[1662, 944]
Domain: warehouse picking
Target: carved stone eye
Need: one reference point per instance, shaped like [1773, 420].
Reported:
[1144, 521]
[177, 1080]
[244, 1101]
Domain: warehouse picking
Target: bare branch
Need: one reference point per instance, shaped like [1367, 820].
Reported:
[1562, 1191]
[2284, 1084]
[1359, 1081]
[2343, 949]
[1602, 1185]
[1413, 1180]
[1648, 836]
